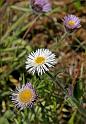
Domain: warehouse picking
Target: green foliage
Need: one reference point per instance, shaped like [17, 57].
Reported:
[77, 4]
[1, 3]
[78, 90]
[46, 31]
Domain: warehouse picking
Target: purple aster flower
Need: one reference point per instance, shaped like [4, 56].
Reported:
[39, 6]
[71, 21]
[24, 96]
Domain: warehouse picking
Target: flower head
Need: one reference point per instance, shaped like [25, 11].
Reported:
[39, 6]
[40, 61]
[24, 96]
[71, 21]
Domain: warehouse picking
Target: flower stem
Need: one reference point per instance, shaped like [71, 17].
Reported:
[55, 80]
[32, 24]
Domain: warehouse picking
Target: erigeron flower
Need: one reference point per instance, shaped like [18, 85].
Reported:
[39, 6]
[71, 21]
[24, 96]
[40, 61]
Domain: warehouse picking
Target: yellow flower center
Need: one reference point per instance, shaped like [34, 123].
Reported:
[25, 96]
[39, 60]
[71, 23]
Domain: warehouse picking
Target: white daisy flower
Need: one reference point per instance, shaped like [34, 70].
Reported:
[24, 96]
[40, 61]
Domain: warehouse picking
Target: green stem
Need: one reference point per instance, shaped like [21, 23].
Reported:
[56, 81]
[31, 24]
[20, 8]
[12, 49]
[64, 35]
[81, 44]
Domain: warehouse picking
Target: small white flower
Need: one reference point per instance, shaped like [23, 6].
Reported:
[40, 61]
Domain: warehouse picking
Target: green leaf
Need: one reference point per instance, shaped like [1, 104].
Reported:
[9, 114]
[77, 5]
[71, 121]
[3, 120]
[1, 2]
[78, 90]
